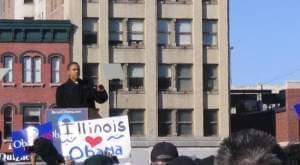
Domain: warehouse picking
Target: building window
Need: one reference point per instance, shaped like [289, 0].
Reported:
[210, 77]
[32, 69]
[28, 1]
[184, 78]
[93, 1]
[165, 123]
[55, 66]
[90, 71]
[210, 1]
[136, 76]
[8, 64]
[116, 32]
[136, 120]
[164, 32]
[90, 28]
[183, 32]
[31, 115]
[164, 77]
[175, 1]
[8, 123]
[210, 33]
[184, 123]
[211, 122]
[135, 31]
[175, 122]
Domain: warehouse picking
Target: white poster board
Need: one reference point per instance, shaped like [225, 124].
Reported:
[113, 71]
[83, 139]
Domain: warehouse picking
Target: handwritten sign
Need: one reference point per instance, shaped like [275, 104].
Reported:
[64, 115]
[83, 139]
[25, 137]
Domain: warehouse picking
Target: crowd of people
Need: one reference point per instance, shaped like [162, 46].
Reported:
[247, 147]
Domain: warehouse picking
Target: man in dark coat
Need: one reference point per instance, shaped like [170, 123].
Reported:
[77, 93]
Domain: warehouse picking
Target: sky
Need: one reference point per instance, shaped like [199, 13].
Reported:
[265, 36]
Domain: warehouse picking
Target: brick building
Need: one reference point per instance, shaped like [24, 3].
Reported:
[36, 52]
[287, 123]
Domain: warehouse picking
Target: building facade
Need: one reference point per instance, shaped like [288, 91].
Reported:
[36, 54]
[287, 121]
[174, 55]
[23, 9]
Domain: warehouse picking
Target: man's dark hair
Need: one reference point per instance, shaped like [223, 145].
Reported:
[293, 151]
[250, 147]
[72, 63]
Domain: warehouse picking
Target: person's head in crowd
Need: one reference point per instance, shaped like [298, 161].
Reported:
[293, 151]
[73, 69]
[99, 160]
[162, 153]
[46, 150]
[182, 160]
[250, 147]
[206, 161]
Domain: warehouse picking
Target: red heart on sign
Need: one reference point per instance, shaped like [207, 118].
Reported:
[93, 141]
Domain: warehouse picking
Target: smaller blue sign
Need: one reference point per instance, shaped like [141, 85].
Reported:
[21, 139]
[297, 110]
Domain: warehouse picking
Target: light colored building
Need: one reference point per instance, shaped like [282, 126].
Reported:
[23, 9]
[175, 59]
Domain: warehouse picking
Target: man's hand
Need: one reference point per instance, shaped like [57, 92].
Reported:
[33, 158]
[100, 88]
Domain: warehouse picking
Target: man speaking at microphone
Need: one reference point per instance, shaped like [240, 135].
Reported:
[77, 93]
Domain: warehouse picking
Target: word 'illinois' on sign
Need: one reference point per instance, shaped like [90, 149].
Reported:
[83, 139]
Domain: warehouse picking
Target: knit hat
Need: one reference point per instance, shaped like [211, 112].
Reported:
[164, 151]
[98, 160]
[182, 160]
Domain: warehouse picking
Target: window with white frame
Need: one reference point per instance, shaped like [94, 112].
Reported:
[210, 122]
[90, 27]
[164, 77]
[183, 32]
[210, 77]
[32, 72]
[55, 67]
[175, 122]
[8, 122]
[210, 33]
[184, 77]
[116, 31]
[8, 64]
[135, 31]
[31, 115]
[136, 76]
[164, 32]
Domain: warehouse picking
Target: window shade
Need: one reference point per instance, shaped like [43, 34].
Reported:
[136, 71]
[165, 71]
